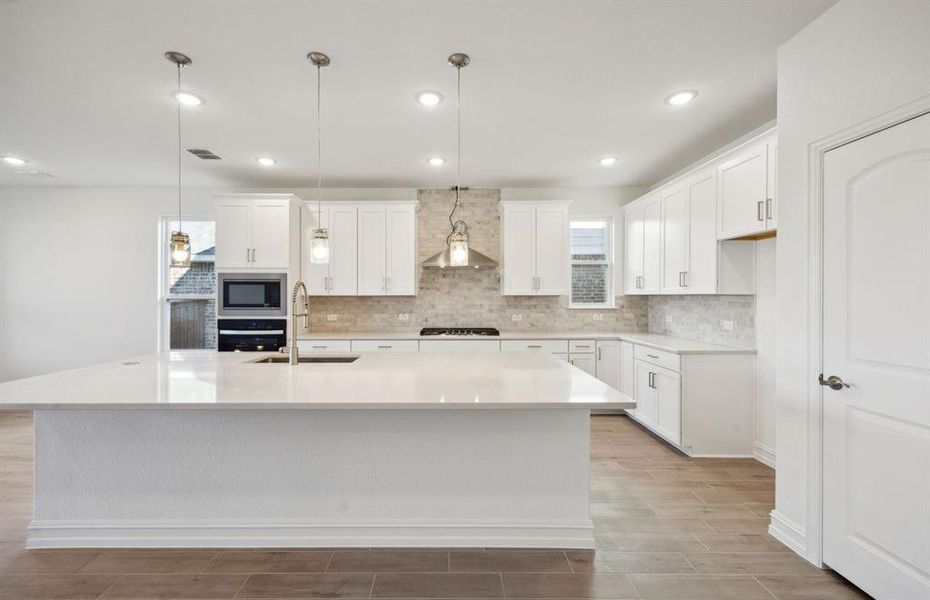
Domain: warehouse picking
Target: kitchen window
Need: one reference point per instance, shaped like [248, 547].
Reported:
[188, 294]
[591, 251]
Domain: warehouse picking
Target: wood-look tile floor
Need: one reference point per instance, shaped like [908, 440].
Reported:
[668, 527]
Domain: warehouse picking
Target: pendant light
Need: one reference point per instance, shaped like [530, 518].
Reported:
[180, 242]
[458, 252]
[319, 243]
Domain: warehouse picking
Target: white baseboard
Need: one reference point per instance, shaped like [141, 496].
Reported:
[764, 454]
[286, 534]
[788, 533]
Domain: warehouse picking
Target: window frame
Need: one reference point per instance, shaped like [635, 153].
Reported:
[165, 297]
[610, 262]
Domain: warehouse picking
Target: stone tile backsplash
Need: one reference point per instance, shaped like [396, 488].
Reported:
[701, 318]
[467, 297]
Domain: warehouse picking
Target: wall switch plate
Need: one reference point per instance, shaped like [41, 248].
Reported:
[332, 317]
[727, 325]
[516, 317]
[598, 316]
[403, 317]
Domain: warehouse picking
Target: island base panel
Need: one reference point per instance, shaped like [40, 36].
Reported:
[311, 478]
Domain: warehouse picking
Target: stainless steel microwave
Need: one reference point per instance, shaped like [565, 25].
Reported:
[258, 295]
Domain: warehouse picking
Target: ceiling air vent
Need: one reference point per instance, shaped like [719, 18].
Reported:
[204, 154]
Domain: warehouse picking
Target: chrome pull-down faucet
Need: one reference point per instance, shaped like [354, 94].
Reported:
[298, 288]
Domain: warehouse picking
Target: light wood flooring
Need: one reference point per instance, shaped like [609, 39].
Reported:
[668, 527]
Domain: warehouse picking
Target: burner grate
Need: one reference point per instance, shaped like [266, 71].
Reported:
[477, 331]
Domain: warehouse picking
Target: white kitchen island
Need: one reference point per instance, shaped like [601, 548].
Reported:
[196, 448]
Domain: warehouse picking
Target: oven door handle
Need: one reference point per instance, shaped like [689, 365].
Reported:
[251, 332]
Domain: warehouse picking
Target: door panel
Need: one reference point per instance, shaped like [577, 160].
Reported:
[627, 370]
[585, 362]
[652, 247]
[271, 234]
[634, 239]
[876, 328]
[519, 261]
[343, 250]
[702, 235]
[645, 393]
[742, 193]
[233, 234]
[401, 250]
[371, 241]
[552, 251]
[315, 275]
[675, 221]
[608, 363]
[668, 404]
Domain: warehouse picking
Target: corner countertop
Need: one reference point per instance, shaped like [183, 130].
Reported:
[204, 379]
[653, 340]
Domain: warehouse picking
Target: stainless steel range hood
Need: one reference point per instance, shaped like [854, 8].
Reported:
[443, 260]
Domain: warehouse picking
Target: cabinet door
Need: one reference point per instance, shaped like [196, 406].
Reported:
[675, 222]
[652, 247]
[608, 363]
[518, 272]
[667, 388]
[314, 275]
[627, 370]
[271, 234]
[371, 244]
[401, 250]
[343, 250]
[701, 275]
[551, 251]
[771, 201]
[645, 393]
[741, 193]
[233, 234]
[633, 249]
[585, 362]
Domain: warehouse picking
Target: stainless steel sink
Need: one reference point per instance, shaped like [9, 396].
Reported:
[283, 360]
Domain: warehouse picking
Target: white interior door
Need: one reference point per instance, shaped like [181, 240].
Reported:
[876, 338]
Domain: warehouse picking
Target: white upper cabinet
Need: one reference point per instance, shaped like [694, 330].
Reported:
[339, 276]
[676, 223]
[634, 219]
[700, 275]
[372, 249]
[745, 190]
[643, 244]
[387, 249]
[254, 231]
[534, 248]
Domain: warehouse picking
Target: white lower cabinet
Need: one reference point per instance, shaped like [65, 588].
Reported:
[701, 403]
[585, 362]
[609, 364]
[460, 346]
[385, 346]
[311, 346]
[627, 369]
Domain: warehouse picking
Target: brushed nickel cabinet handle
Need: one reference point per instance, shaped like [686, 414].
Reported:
[653, 356]
[768, 208]
[759, 215]
[386, 347]
[534, 346]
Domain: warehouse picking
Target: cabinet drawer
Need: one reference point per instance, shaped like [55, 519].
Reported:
[581, 346]
[460, 346]
[385, 346]
[669, 360]
[551, 346]
[310, 346]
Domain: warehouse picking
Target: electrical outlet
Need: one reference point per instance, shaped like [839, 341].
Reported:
[403, 317]
[727, 325]
[598, 316]
[332, 317]
[516, 317]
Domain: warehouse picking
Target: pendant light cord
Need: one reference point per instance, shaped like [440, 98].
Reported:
[458, 160]
[178, 99]
[319, 151]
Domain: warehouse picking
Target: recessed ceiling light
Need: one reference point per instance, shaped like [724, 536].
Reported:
[14, 160]
[429, 98]
[608, 161]
[188, 99]
[437, 161]
[682, 97]
[266, 161]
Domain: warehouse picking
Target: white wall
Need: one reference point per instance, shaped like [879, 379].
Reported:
[855, 62]
[766, 328]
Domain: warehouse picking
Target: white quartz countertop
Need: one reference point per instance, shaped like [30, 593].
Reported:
[202, 379]
[653, 340]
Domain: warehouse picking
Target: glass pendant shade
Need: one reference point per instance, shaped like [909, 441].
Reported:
[180, 249]
[458, 249]
[319, 247]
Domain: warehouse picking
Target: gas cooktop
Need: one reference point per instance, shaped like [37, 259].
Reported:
[459, 331]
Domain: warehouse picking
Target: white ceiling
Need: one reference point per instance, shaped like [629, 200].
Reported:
[84, 89]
